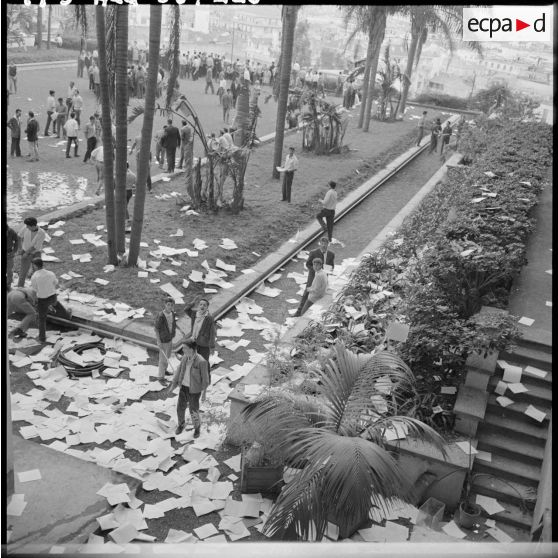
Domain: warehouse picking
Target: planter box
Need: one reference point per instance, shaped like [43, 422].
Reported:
[413, 457]
[260, 479]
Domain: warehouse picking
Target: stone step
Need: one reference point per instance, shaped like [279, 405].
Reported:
[527, 355]
[517, 410]
[514, 516]
[536, 395]
[509, 469]
[505, 491]
[515, 428]
[520, 450]
[536, 338]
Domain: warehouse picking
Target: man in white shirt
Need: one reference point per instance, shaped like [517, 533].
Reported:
[319, 285]
[329, 202]
[31, 242]
[290, 166]
[421, 126]
[50, 108]
[295, 70]
[44, 282]
[77, 106]
[71, 126]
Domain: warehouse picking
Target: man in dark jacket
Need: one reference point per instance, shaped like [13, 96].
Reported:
[192, 377]
[165, 330]
[12, 244]
[328, 259]
[32, 132]
[14, 124]
[171, 141]
[203, 327]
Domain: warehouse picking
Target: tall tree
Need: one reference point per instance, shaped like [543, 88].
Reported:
[366, 21]
[289, 16]
[302, 52]
[49, 23]
[155, 19]
[39, 27]
[108, 154]
[173, 55]
[121, 117]
[445, 18]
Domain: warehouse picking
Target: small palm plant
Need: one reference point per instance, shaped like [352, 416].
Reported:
[337, 443]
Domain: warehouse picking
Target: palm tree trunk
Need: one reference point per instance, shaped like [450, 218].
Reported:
[49, 25]
[289, 24]
[378, 32]
[39, 27]
[108, 163]
[415, 33]
[174, 54]
[155, 19]
[121, 117]
[366, 79]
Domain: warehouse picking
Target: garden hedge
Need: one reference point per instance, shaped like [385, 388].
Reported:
[460, 250]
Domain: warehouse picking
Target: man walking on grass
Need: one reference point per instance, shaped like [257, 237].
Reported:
[192, 377]
[319, 285]
[172, 141]
[290, 167]
[328, 211]
[327, 258]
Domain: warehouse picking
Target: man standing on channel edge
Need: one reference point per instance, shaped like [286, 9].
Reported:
[328, 211]
[421, 126]
[328, 259]
[192, 377]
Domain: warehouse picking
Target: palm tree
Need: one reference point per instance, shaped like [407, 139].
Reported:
[174, 53]
[155, 19]
[289, 15]
[445, 18]
[108, 155]
[39, 27]
[364, 17]
[121, 117]
[49, 22]
[336, 441]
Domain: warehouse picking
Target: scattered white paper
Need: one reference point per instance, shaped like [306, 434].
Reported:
[504, 401]
[490, 505]
[512, 373]
[27, 476]
[517, 388]
[453, 530]
[526, 321]
[537, 372]
[205, 531]
[535, 413]
[466, 447]
[501, 387]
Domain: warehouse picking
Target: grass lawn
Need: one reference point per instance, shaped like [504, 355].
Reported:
[264, 225]
[32, 54]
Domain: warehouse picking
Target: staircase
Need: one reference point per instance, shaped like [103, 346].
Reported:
[515, 440]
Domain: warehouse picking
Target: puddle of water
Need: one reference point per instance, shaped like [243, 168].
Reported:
[40, 192]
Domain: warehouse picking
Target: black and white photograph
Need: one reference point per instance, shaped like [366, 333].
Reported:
[277, 274]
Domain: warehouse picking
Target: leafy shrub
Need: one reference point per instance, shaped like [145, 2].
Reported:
[442, 101]
[74, 42]
[452, 256]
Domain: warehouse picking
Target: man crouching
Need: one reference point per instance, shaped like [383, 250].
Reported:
[193, 377]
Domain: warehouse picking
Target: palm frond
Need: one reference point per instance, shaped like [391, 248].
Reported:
[414, 428]
[138, 109]
[343, 478]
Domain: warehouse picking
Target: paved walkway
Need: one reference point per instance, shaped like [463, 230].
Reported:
[533, 287]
